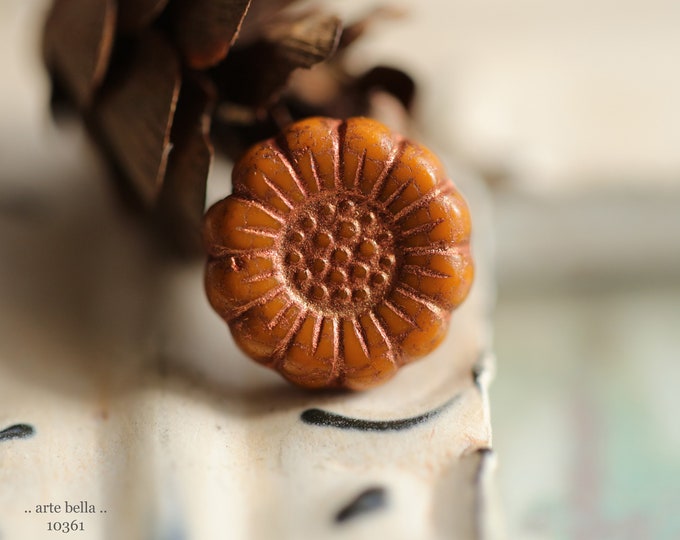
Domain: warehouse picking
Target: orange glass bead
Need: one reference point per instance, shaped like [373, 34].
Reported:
[340, 253]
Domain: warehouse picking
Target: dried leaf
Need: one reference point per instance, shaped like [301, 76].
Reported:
[182, 199]
[390, 80]
[260, 15]
[136, 14]
[77, 44]
[150, 100]
[327, 91]
[307, 39]
[135, 113]
[205, 29]
[255, 74]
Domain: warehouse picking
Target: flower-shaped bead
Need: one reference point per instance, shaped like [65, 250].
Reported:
[340, 253]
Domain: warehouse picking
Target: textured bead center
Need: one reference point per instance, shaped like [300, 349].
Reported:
[339, 253]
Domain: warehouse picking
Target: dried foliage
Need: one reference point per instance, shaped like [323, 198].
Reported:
[160, 82]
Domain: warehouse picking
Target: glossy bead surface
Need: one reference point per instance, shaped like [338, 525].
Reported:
[340, 253]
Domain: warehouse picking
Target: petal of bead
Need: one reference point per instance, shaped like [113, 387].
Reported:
[363, 371]
[238, 224]
[445, 220]
[264, 173]
[234, 282]
[418, 169]
[255, 334]
[367, 144]
[397, 321]
[309, 361]
[446, 278]
[431, 325]
[312, 145]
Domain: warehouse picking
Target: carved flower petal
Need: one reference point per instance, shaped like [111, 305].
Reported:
[266, 173]
[369, 150]
[239, 224]
[445, 277]
[368, 353]
[310, 360]
[265, 331]
[430, 321]
[234, 283]
[414, 176]
[443, 221]
[311, 147]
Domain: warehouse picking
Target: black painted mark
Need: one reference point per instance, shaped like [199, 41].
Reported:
[480, 368]
[17, 431]
[369, 500]
[477, 372]
[323, 418]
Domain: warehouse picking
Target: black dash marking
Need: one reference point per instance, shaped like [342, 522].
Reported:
[369, 500]
[477, 372]
[479, 369]
[323, 418]
[17, 431]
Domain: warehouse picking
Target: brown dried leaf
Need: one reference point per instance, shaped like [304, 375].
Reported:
[307, 39]
[135, 113]
[260, 15]
[390, 80]
[77, 44]
[182, 199]
[327, 91]
[136, 14]
[255, 74]
[206, 29]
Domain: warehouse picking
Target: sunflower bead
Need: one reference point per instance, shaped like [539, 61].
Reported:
[340, 253]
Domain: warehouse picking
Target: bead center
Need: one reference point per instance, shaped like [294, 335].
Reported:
[339, 254]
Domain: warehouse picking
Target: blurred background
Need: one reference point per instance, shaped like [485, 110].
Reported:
[569, 111]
